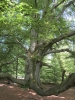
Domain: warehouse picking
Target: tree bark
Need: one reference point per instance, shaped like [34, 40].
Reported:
[37, 72]
[69, 82]
[11, 78]
[63, 75]
[16, 68]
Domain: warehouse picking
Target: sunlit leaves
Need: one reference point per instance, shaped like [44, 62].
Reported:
[17, 18]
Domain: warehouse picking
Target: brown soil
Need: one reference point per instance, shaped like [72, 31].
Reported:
[14, 92]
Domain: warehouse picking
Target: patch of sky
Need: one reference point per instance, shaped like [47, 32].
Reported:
[1, 41]
[69, 15]
[41, 13]
[26, 46]
[48, 58]
[15, 1]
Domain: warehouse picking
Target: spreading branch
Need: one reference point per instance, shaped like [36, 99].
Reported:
[11, 78]
[61, 37]
[55, 40]
[54, 7]
[64, 7]
[57, 51]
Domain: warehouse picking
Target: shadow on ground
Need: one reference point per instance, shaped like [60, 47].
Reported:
[14, 92]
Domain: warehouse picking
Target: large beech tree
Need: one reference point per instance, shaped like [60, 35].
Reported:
[38, 26]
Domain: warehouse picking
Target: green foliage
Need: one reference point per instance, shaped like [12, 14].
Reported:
[16, 17]
[50, 75]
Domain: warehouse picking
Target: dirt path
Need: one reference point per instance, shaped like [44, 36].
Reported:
[13, 92]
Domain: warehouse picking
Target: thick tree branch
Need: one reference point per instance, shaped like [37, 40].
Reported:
[54, 7]
[61, 37]
[55, 40]
[68, 83]
[70, 51]
[57, 51]
[11, 78]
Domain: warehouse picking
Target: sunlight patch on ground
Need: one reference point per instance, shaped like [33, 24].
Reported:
[19, 94]
[32, 93]
[11, 87]
[62, 97]
[53, 96]
[1, 84]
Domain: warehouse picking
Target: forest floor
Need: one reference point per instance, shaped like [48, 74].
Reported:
[15, 92]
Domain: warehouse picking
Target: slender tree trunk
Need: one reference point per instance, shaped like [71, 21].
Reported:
[16, 67]
[0, 69]
[74, 50]
[62, 69]
[63, 75]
